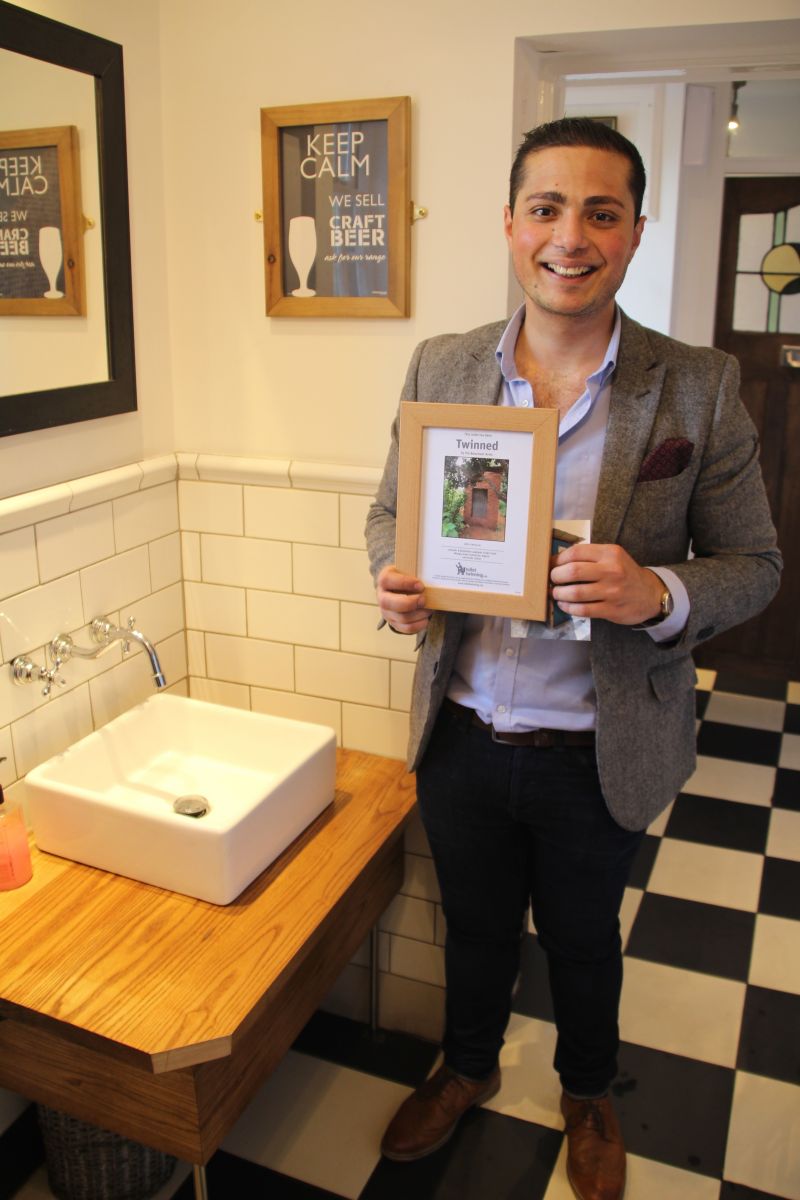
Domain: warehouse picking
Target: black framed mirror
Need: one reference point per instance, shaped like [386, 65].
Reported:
[27, 33]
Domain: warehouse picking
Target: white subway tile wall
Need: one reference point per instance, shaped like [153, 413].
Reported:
[18, 556]
[401, 679]
[342, 676]
[109, 584]
[251, 578]
[361, 635]
[248, 562]
[305, 620]
[211, 507]
[292, 516]
[375, 730]
[75, 540]
[145, 516]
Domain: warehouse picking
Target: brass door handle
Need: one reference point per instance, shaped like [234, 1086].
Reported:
[790, 357]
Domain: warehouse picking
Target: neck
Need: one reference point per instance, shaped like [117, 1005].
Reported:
[555, 342]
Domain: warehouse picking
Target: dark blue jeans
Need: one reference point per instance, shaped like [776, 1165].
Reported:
[509, 826]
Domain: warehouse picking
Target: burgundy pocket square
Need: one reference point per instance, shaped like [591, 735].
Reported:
[667, 460]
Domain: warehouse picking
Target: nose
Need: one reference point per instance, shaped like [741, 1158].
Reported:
[568, 232]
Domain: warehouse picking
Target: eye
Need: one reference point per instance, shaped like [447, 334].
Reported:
[604, 218]
[542, 210]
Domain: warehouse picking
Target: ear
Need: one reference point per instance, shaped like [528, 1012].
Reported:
[507, 220]
[638, 230]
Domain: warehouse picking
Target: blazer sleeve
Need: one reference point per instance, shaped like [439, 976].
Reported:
[735, 565]
[382, 515]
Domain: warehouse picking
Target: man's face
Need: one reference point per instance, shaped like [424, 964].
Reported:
[572, 232]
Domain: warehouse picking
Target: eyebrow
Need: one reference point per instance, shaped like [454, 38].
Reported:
[589, 202]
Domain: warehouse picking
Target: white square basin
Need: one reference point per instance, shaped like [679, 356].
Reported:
[108, 799]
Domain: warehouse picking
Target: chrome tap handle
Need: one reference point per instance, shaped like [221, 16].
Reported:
[59, 650]
[101, 630]
[104, 632]
[25, 670]
[126, 645]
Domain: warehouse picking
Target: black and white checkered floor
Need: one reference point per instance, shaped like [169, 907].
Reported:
[709, 1085]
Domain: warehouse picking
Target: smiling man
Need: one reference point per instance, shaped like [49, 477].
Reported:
[540, 762]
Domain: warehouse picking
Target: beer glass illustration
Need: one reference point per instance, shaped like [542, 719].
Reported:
[51, 256]
[303, 251]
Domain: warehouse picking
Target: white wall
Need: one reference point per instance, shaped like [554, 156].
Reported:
[214, 372]
[331, 395]
[651, 115]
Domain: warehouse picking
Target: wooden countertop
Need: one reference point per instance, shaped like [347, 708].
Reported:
[164, 981]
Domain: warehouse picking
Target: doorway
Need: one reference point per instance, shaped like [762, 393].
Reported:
[758, 321]
[704, 61]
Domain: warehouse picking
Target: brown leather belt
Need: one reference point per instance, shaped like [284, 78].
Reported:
[542, 739]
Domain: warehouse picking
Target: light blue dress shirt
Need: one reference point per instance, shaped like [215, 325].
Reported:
[517, 684]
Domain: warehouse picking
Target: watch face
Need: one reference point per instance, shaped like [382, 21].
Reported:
[667, 604]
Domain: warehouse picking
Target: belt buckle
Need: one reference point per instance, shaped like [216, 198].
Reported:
[545, 739]
[540, 739]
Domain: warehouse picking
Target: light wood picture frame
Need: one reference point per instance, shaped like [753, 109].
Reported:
[487, 551]
[41, 223]
[337, 208]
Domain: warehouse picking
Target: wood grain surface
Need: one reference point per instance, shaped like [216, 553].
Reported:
[164, 981]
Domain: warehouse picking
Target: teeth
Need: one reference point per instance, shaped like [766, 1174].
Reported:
[570, 272]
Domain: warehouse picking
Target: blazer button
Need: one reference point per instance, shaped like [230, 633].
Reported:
[705, 633]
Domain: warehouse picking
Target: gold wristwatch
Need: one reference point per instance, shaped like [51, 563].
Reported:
[666, 605]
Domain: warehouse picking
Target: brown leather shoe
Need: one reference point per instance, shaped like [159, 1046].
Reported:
[429, 1116]
[595, 1151]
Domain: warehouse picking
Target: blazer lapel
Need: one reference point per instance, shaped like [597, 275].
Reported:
[635, 393]
[482, 380]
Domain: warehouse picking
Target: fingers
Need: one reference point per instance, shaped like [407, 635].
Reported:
[603, 581]
[579, 581]
[401, 601]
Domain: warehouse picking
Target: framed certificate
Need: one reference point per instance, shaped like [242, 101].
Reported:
[475, 506]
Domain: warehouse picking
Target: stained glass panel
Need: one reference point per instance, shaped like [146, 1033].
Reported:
[768, 273]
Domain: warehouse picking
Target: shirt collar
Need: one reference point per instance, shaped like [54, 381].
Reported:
[508, 341]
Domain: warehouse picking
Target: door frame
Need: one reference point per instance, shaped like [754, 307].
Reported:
[696, 56]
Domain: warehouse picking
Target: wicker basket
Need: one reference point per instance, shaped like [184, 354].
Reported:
[87, 1163]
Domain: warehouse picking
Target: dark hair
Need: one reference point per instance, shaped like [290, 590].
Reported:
[580, 131]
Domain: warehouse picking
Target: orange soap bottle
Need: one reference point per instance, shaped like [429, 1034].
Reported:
[15, 854]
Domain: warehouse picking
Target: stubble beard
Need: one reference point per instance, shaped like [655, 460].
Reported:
[591, 308]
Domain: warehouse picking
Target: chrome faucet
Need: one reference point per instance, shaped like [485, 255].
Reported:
[62, 648]
[104, 633]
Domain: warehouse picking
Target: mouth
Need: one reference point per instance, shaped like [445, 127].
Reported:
[568, 272]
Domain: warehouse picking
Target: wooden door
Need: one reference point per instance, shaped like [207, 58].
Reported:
[758, 321]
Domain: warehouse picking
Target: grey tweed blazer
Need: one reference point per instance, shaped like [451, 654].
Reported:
[661, 389]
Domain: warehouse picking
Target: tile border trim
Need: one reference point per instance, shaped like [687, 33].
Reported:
[29, 508]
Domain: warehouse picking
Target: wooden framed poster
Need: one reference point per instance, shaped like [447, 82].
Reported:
[337, 208]
[41, 224]
[475, 506]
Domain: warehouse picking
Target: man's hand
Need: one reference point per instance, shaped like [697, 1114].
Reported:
[401, 601]
[603, 581]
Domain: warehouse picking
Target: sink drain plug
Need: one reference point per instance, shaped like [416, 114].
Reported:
[191, 806]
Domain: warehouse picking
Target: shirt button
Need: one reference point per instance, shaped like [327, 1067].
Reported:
[501, 708]
[510, 653]
[524, 402]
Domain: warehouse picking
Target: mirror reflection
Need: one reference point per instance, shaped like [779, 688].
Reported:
[90, 69]
[40, 95]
